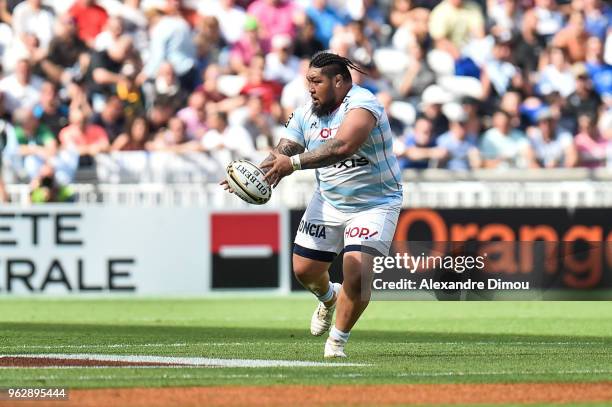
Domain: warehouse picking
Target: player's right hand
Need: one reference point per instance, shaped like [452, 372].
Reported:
[226, 186]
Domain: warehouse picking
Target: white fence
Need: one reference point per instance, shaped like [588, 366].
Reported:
[295, 192]
[190, 180]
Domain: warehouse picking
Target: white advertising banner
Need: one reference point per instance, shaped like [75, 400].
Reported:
[66, 249]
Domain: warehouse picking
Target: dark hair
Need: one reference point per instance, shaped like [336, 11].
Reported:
[332, 65]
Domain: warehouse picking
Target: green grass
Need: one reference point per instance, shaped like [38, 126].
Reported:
[402, 342]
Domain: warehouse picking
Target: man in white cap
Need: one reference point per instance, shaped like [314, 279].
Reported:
[431, 107]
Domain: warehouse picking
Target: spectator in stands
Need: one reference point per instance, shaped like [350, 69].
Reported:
[511, 104]
[431, 107]
[231, 18]
[461, 150]
[547, 18]
[584, 100]
[275, 17]
[362, 48]
[528, 47]
[86, 139]
[173, 139]
[66, 50]
[136, 137]
[454, 23]
[31, 145]
[598, 18]
[259, 124]
[503, 146]
[599, 70]
[419, 75]
[31, 17]
[90, 19]
[499, 73]
[194, 115]
[209, 44]
[129, 92]
[171, 42]
[111, 118]
[591, 146]
[306, 44]
[552, 146]
[400, 13]
[280, 64]
[113, 30]
[248, 47]
[210, 83]
[326, 18]
[21, 88]
[104, 73]
[505, 17]
[557, 76]
[46, 188]
[573, 37]
[224, 141]
[471, 107]
[50, 111]
[165, 89]
[269, 91]
[420, 150]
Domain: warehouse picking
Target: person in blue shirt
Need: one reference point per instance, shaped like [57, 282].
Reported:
[461, 147]
[420, 150]
[325, 19]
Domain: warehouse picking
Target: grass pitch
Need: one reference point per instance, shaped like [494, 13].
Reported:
[401, 342]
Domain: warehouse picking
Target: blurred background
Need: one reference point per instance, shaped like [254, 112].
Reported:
[501, 112]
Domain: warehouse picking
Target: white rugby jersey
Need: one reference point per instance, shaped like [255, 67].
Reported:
[371, 177]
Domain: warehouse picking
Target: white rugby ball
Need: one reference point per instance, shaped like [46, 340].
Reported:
[247, 181]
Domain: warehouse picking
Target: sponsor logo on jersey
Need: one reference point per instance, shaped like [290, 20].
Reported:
[325, 133]
[360, 232]
[312, 229]
[352, 163]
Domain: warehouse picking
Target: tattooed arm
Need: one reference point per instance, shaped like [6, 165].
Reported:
[353, 132]
[284, 147]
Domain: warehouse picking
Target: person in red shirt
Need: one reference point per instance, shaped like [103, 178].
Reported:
[90, 19]
[87, 139]
[268, 91]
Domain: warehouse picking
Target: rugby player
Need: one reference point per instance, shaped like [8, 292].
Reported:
[343, 133]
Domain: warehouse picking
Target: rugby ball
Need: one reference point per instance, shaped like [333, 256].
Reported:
[247, 181]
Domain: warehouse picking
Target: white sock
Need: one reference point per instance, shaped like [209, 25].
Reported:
[328, 295]
[338, 334]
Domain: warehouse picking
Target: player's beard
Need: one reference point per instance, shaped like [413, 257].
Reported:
[323, 109]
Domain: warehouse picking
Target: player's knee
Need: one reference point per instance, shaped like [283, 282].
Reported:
[356, 276]
[305, 269]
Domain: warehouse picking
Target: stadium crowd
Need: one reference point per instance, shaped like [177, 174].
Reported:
[466, 83]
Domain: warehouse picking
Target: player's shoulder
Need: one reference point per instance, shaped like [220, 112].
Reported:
[359, 94]
[299, 116]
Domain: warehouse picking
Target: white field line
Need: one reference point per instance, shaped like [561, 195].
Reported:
[251, 343]
[187, 361]
[87, 377]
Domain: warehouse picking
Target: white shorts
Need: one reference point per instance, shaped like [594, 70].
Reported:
[324, 231]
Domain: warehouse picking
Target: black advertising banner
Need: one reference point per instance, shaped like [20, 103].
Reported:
[505, 249]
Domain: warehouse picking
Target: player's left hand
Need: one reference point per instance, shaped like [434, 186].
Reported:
[278, 168]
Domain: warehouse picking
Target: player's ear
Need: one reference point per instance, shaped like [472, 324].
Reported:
[338, 80]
